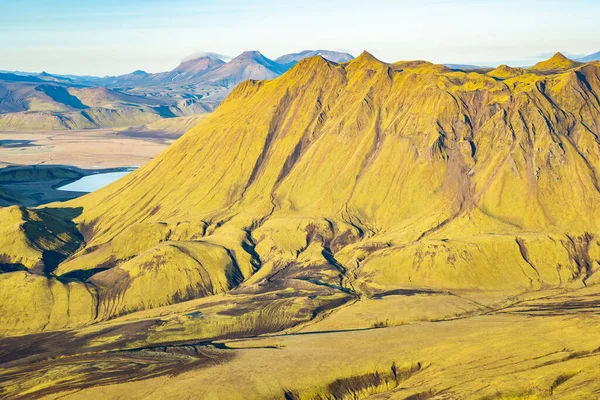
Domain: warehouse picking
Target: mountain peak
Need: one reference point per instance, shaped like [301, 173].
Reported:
[256, 57]
[204, 54]
[199, 65]
[366, 58]
[558, 56]
[250, 64]
[558, 62]
[365, 54]
[313, 63]
[504, 72]
[251, 54]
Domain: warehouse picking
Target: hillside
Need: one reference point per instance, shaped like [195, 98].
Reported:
[30, 103]
[506, 72]
[340, 231]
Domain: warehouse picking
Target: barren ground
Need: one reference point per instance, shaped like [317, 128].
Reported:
[103, 148]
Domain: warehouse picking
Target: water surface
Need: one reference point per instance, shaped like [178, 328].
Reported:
[91, 183]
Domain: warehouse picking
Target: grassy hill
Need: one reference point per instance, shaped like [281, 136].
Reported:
[402, 230]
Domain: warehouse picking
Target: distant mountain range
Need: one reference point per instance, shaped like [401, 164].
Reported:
[465, 67]
[46, 101]
[198, 85]
[215, 72]
[291, 59]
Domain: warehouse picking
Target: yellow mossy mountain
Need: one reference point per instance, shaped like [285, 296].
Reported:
[36, 240]
[341, 197]
[557, 63]
[411, 178]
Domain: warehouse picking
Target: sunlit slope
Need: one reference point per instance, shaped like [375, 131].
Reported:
[356, 180]
[365, 142]
[391, 160]
[343, 231]
[35, 239]
[33, 243]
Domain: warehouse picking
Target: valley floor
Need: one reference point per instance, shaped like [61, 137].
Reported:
[93, 148]
[69, 155]
[102, 148]
[48, 160]
[534, 346]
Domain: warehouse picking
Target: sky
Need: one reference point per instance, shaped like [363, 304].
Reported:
[112, 37]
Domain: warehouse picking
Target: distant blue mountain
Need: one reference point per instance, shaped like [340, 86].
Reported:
[11, 77]
[290, 59]
[464, 67]
[591, 57]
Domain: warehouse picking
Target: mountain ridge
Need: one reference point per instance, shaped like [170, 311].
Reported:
[196, 85]
[558, 62]
[318, 64]
[281, 182]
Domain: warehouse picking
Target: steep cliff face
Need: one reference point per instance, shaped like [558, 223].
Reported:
[364, 178]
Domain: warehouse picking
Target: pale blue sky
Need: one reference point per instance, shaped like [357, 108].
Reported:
[119, 36]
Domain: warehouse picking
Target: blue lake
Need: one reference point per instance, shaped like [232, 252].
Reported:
[94, 182]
